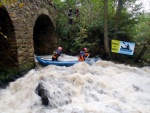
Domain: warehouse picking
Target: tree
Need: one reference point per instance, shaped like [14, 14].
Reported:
[142, 51]
[142, 28]
[118, 13]
[143, 35]
[106, 42]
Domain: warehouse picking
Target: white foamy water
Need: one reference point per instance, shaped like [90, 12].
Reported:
[103, 87]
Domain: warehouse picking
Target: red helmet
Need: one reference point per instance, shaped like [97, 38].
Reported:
[85, 49]
[60, 48]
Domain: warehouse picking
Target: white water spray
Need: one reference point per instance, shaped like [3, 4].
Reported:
[103, 87]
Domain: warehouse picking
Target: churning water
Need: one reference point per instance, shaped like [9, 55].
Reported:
[103, 87]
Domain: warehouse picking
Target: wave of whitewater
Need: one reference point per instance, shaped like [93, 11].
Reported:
[103, 87]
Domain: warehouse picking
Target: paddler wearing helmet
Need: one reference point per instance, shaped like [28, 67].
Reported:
[83, 54]
[56, 54]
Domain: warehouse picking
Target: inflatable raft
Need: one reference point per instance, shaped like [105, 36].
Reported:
[46, 62]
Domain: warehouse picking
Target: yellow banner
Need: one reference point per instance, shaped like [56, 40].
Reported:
[115, 46]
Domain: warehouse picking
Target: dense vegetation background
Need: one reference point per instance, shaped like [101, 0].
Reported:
[125, 22]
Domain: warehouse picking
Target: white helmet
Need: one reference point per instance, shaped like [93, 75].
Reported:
[60, 48]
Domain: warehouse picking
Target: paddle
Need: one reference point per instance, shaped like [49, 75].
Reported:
[87, 57]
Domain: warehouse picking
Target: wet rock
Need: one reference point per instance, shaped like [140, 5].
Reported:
[42, 92]
[53, 97]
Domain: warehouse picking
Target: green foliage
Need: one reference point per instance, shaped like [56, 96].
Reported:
[87, 30]
[6, 76]
[142, 28]
[77, 35]
[6, 2]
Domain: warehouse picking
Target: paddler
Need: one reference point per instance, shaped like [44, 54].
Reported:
[56, 54]
[83, 54]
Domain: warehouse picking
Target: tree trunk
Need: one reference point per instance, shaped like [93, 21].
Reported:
[118, 12]
[119, 8]
[142, 52]
[106, 43]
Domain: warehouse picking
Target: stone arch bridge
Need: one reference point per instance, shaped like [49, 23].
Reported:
[27, 27]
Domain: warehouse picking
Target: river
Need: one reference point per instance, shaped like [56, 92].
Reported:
[103, 87]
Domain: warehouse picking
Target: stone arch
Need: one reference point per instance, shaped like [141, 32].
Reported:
[21, 29]
[8, 44]
[44, 33]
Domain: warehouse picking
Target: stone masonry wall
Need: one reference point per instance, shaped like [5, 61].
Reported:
[23, 15]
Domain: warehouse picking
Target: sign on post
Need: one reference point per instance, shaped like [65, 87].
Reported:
[122, 47]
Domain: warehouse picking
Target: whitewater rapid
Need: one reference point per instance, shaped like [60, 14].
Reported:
[103, 87]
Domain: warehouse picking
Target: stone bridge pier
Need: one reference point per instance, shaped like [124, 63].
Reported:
[27, 28]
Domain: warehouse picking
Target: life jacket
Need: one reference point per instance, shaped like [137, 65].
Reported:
[56, 54]
[82, 55]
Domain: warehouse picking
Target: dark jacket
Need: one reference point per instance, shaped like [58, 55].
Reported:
[56, 54]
